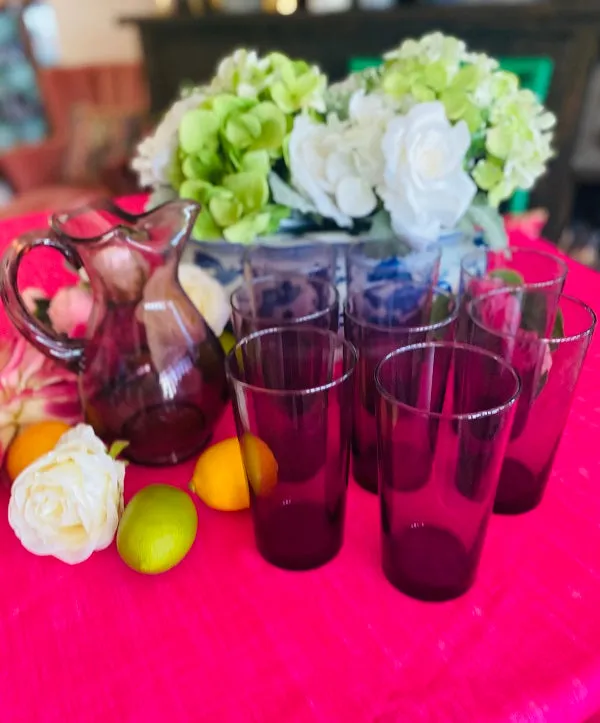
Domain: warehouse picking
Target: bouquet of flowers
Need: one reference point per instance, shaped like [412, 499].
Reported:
[435, 137]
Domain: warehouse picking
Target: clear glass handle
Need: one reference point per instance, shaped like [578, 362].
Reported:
[56, 347]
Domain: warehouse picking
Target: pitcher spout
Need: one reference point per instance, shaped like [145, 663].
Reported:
[166, 226]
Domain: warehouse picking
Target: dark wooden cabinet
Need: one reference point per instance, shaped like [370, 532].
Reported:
[180, 49]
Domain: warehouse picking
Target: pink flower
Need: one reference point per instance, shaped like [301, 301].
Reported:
[70, 309]
[32, 389]
[501, 312]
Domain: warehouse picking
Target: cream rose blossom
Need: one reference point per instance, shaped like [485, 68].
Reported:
[68, 503]
[425, 186]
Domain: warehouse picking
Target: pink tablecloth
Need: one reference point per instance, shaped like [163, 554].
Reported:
[225, 637]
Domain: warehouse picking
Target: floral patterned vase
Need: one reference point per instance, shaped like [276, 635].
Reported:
[223, 260]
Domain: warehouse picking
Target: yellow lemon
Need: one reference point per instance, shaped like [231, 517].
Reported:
[220, 479]
[157, 529]
[227, 340]
[31, 443]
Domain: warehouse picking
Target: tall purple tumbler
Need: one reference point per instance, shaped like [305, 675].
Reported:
[514, 324]
[444, 415]
[377, 320]
[292, 394]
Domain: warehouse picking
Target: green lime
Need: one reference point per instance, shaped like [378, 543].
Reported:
[157, 529]
[509, 276]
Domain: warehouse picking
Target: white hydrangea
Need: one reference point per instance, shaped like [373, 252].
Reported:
[154, 153]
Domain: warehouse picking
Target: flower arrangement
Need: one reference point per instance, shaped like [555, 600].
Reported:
[435, 137]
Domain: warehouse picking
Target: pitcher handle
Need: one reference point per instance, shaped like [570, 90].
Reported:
[59, 348]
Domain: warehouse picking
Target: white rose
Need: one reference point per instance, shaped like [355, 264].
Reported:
[68, 503]
[324, 170]
[207, 295]
[425, 187]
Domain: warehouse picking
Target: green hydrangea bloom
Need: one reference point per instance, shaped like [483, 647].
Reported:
[226, 150]
[510, 129]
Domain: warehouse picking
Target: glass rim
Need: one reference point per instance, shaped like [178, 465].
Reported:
[468, 416]
[340, 343]
[410, 329]
[285, 275]
[519, 249]
[533, 288]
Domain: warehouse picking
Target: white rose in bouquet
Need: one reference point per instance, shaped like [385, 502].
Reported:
[68, 503]
[425, 186]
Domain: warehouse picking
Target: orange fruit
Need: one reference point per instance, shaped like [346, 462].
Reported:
[261, 465]
[223, 471]
[31, 443]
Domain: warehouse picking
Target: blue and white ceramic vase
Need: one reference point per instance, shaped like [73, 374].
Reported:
[224, 260]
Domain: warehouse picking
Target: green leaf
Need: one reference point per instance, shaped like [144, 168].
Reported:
[276, 215]
[558, 330]
[197, 128]
[117, 447]
[440, 309]
[483, 216]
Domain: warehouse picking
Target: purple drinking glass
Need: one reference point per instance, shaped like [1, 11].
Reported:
[484, 270]
[549, 366]
[378, 320]
[284, 299]
[292, 396]
[444, 414]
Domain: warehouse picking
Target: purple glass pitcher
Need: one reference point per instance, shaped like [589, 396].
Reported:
[151, 371]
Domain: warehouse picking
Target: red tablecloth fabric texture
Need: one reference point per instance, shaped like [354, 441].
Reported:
[224, 637]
